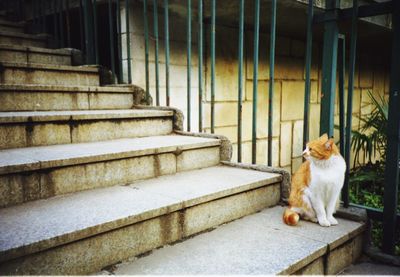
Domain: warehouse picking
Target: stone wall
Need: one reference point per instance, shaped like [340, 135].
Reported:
[288, 102]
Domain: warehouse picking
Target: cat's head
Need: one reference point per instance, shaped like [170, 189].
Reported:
[321, 149]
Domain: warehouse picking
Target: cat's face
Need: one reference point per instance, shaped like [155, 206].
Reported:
[320, 149]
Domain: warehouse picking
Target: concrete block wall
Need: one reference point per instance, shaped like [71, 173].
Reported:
[289, 85]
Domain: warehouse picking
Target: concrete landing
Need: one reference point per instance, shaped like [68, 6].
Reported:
[256, 244]
[182, 204]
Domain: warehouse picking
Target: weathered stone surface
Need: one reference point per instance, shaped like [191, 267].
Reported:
[20, 54]
[285, 174]
[286, 143]
[126, 206]
[296, 162]
[293, 99]
[297, 138]
[11, 38]
[199, 158]
[340, 258]
[53, 98]
[246, 246]
[314, 268]
[23, 73]
[26, 129]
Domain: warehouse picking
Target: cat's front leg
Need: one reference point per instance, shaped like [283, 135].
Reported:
[331, 206]
[318, 206]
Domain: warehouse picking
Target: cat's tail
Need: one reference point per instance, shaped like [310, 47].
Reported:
[290, 217]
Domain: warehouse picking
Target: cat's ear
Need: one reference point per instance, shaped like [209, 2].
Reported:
[329, 144]
[324, 137]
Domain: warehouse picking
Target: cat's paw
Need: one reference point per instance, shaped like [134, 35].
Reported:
[332, 220]
[324, 222]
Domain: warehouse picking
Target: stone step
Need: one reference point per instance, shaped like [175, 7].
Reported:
[11, 26]
[83, 232]
[24, 54]
[26, 129]
[53, 98]
[41, 172]
[12, 38]
[30, 73]
[259, 244]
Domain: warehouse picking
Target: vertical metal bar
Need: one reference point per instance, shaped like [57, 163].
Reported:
[55, 22]
[255, 81]
[119, 42]
[166, 34]
[271, 80]
[393, 141]
[68, 23]
[61, 22]
[155, 21]
[128, 42]
[88, 19]
[307, 91]
[329, 64]
[40, 14]
[111, 38]
[189, 61]
[342, 65]
[352, 64]
[82, 41]
[146, 49]
[212, 44]
[96, 40]
[240, 81]
[200, 56]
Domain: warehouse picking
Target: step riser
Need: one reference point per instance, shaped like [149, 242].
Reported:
[22, 41]
[42, 184]
[37, 76]
[92, 254]
[335, 261]
[58, 101]
[33, 57]
[13, 29]
[77, 131]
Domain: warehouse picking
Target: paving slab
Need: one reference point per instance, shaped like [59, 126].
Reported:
[68, 154]
[371, 268]
[42, 224]
[256, 244]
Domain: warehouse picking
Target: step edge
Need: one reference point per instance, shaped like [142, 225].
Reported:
[23, 35]
[120, 223]
[50, 67]
[31, 49]
[57, 88]
[79, 117]
[40, 165]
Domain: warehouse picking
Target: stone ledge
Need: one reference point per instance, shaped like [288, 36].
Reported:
[41, 50]
[70, 89]
[54, 116]
[285, 185]
[69, 218]
[49, 67]
[42, 157]
[257, 244]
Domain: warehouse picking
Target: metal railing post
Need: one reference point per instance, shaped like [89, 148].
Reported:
[166, 34]
[393, 141]
[200, 61]
[188, 60]
[307, 91]
[240, 80]
[255, 81]
[212, 45]
[111, 38]
[156, 47]
[271, 80]
[128, 42]
[119, 40]
[352, 64]
[146, 50]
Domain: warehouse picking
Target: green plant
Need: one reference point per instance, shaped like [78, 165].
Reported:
[371, 139]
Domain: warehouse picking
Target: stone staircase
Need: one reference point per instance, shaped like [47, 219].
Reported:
[89, 178]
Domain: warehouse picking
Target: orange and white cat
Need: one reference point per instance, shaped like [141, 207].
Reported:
[317, 184]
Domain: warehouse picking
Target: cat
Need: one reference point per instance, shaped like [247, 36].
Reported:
[316, 185]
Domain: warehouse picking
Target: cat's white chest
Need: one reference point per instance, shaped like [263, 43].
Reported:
[327, 176]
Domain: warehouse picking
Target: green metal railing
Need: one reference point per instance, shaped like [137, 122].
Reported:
[59, 18]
